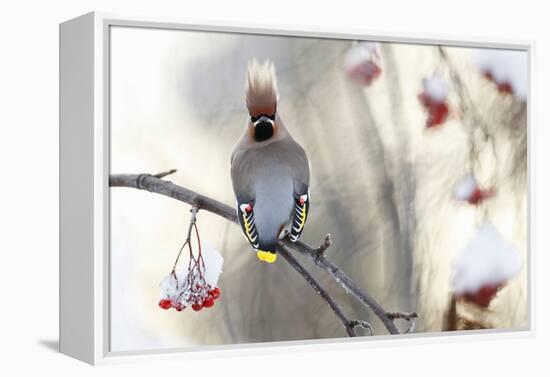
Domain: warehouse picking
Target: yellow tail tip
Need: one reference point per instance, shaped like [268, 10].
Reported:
[266, 256]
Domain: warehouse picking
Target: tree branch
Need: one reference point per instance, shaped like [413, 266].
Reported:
[348, 323]
[154, 184]
[409, 317]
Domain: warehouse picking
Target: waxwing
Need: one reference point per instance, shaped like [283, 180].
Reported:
[269, 169]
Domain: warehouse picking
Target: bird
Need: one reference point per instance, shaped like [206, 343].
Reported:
[270, 171]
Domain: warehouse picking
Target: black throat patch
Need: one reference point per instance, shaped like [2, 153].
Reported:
[263, 131]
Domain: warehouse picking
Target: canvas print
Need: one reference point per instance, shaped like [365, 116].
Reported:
[269, 188]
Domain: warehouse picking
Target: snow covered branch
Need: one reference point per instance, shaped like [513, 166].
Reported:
[155, 184]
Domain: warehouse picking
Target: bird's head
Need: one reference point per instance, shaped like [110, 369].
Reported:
[261, 101]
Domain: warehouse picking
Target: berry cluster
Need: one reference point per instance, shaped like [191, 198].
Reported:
[362, 63]
[178, 293]
[468, 190]
[434, 100]
[483, 296]
[437, 111]
[197, 286]
[479, 195]
[507, 70]
[485, 266]
[503, 87]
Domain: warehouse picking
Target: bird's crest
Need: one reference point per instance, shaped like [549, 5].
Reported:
[261, 88]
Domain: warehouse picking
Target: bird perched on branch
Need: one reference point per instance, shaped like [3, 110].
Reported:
[269, 169]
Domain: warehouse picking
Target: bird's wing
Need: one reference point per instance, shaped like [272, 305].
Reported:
[242, 173]
[245, 213]
[299, 217]
[300, 164]
[301, 190]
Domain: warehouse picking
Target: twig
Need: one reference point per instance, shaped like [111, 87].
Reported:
[364, 324]
[348, 324]
[166, 188]
[192, 223]
[164, 174]
[345, 281]
[409, 317]
[324, 246]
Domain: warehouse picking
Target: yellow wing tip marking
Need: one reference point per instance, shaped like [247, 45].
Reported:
[247, 227]
[303, 217]
[266, 256]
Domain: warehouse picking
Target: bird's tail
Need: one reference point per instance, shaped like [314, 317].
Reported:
[267, 256]
[267, 252]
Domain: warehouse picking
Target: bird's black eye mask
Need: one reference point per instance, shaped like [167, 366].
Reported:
[254, 119]
[263, 126]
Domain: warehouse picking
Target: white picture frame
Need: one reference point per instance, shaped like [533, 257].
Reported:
[84, 190]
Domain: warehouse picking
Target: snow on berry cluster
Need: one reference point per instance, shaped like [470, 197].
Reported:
[505, 68]
[197, 286]
[434, 99]
[362, 63]
[484, 267]
[467, 190]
